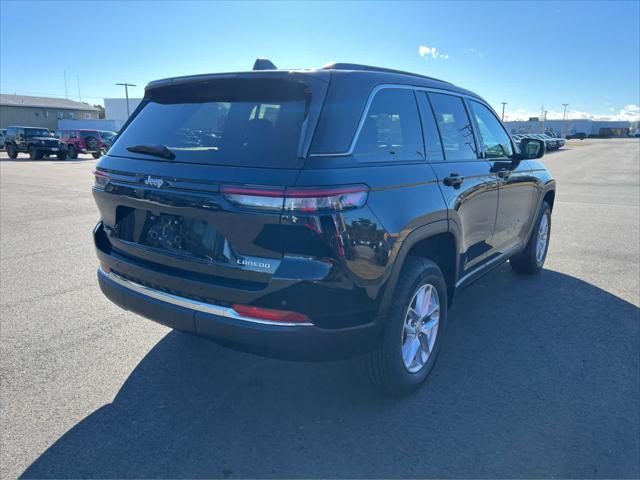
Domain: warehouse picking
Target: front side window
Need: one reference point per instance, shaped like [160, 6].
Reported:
[455, 127]
[496, 141]
[391, 130]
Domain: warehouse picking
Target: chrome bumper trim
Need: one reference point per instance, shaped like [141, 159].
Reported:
[192, 304]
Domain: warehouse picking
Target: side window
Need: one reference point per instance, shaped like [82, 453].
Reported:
[73, 134]
[455, 127]
[391, 130]
[430, 129]
[494, 137]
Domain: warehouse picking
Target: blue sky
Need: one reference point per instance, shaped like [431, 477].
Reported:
[524, 53]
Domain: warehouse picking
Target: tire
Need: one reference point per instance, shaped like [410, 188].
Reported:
[34, 154]
[385, 366]
[91, 143]
[61, 155]
[531, 259]
[96, 155]
[11, 151]
[72, 152]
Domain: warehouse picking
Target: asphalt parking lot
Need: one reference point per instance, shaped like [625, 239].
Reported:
[538, 376]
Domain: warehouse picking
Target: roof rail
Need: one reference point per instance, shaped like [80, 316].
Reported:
[368, 68]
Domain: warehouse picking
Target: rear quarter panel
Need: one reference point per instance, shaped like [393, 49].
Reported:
[402, 198]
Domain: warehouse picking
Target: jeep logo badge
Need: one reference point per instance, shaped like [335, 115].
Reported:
[154, 182]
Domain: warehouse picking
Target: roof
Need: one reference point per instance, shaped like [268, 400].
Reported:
[369, 68]
[43, 102]
[379, 74]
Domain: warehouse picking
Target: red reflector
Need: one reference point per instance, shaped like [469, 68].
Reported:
[272, 315]
[106, 268]
[98, 173]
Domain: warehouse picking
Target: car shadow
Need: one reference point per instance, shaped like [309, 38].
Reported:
[538, 377]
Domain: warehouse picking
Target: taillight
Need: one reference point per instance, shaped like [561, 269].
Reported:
[271, 315]
[255, 197]
[100, 179]
[304, 200]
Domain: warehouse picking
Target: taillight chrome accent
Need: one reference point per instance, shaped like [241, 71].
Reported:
[305, 200]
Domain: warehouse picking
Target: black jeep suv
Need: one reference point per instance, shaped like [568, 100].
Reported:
[316, 214]
[37, 142]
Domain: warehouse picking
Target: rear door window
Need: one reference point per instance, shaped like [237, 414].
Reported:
[391, 129]
[239, 122]
[454, 125]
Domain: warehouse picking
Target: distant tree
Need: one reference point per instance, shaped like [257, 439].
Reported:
[101, 114]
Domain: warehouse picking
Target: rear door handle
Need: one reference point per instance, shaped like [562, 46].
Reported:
[453, 180]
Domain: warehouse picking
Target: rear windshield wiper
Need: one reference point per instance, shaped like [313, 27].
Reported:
[155, 150]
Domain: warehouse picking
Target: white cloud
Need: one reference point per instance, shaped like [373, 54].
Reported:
[630, 113]
[432, 52]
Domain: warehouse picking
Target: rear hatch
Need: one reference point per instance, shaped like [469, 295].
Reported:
[166, 189]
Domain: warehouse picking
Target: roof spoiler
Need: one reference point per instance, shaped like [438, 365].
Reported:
[264, 64]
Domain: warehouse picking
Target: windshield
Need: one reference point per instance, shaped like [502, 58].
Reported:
[240, 122]
[107, 135]
[36, 132]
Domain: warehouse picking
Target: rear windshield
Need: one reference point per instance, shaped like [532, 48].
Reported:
[239, 122]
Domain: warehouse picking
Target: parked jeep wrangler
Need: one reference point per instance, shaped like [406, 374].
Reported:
[81, 141]
[316, 214]
[37, 142]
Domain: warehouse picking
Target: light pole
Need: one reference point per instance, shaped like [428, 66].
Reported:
[503, 104]
[564, 119]
[126, 93]
[544, 121]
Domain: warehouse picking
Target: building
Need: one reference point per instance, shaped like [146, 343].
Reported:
[42, 111]
[604, 128]
[115, 109]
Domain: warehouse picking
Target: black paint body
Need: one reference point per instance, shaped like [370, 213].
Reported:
[338, 268]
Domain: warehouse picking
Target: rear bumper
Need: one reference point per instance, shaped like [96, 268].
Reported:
[225, 326]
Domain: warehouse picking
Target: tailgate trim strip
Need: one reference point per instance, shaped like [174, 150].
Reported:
[184, 302]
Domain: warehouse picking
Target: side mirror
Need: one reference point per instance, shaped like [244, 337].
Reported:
[531, 148]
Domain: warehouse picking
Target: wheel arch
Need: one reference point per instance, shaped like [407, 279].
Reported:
[434, 241]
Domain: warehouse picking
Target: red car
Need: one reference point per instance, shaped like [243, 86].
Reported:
[81, 141]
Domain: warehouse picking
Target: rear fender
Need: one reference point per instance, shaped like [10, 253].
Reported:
[418, 235]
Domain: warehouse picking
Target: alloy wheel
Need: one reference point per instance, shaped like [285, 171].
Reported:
[420, 328]
[543, 238]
